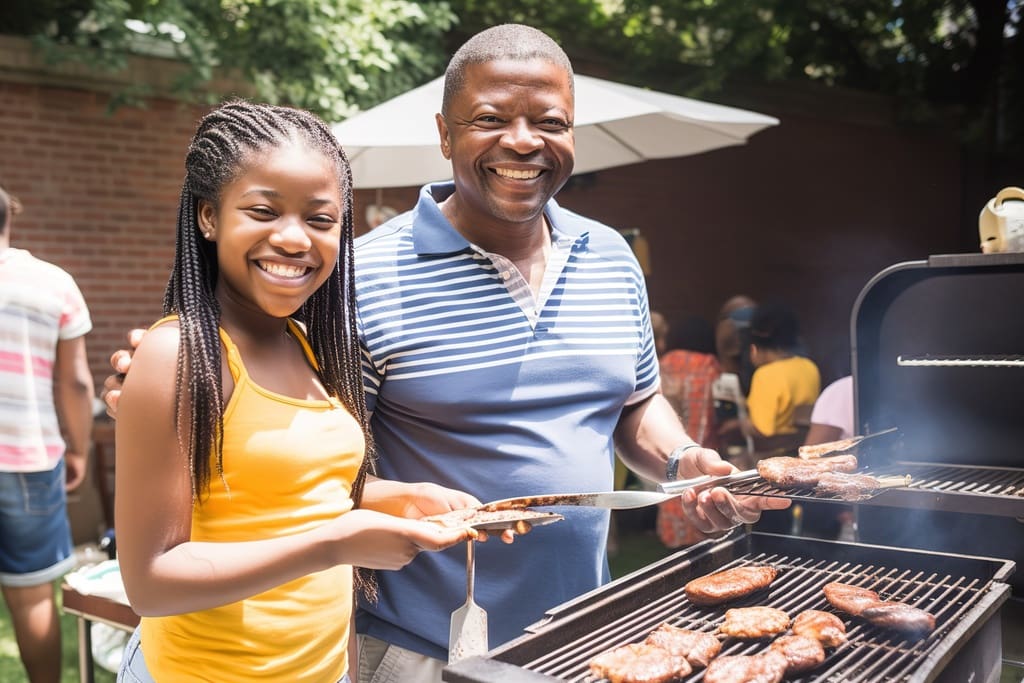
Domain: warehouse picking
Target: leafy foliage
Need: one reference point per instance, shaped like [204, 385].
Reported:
[964, 53]
[330, 56]
[337, 56]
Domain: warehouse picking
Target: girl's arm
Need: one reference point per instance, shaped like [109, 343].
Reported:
[164, 571]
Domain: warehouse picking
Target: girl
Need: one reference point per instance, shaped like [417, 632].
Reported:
[241, 432]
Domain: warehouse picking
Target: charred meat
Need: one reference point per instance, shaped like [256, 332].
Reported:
[730, 584]
[801, 652]
[698, 647]
[897, 616]
[819, 449]
[789, 472]
[850, 599]
[825, 627]
[764, 667]
[846, 485]
[750, 623]
[639, 663]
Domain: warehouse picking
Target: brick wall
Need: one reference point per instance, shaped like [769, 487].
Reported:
[100, 194]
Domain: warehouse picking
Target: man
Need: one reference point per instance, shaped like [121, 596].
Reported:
[46, 397]
[507, 341]
[507, 351]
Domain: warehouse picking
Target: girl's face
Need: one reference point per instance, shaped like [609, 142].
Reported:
[277, 229]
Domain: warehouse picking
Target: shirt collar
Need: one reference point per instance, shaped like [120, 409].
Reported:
[432, 233]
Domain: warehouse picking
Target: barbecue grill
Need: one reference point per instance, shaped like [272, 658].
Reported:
[964, 593]
[937, 353]
[937, 350]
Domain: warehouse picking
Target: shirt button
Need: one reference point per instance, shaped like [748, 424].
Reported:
[505, 275]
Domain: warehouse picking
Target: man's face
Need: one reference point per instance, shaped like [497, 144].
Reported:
[508, 133]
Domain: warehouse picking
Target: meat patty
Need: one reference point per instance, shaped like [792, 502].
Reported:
[846, 485]
[802, 653]
[789, 472]
[754, 622]
[764, 667]
[850, 599]
[730, 584]
[825, 627]
[639, 663]
[898, 616]
[698, 647]
[819, 449]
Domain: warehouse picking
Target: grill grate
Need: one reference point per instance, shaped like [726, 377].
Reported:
[960, 591]
[871, 654]
[975, 489]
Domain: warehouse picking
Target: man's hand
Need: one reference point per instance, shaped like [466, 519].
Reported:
[74, 470]
[717, 510]
[120, 361]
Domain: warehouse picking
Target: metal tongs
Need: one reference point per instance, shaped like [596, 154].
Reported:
[707, 481]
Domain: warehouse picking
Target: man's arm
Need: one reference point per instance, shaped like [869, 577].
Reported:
[649, 432]
[72, 397]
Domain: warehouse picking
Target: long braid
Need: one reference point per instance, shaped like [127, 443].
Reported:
[224, 142]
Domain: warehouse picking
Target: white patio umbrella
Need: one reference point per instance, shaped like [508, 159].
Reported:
[395, 144]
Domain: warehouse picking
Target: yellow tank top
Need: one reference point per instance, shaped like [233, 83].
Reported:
[289, 465]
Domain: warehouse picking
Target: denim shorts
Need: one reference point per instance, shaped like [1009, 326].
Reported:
[35, 537]
[133, 664]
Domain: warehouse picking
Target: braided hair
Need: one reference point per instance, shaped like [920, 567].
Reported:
[226, 140]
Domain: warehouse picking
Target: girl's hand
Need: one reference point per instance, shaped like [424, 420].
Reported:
[375, 540]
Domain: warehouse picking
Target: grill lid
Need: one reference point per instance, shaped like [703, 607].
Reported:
[937, 350]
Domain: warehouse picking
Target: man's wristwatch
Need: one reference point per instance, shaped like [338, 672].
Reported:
[672, 466]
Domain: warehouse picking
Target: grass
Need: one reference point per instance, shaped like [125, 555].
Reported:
[11, 670]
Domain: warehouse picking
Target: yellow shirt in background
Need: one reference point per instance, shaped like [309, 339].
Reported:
[288, 465]
[777, 388]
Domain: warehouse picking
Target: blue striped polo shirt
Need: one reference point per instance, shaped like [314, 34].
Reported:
[469, 391]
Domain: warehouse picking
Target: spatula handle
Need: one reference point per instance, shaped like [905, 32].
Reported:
[470, 567]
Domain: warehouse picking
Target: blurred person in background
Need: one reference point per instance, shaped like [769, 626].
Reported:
[688, 368]
[46, 394]
[783, 381]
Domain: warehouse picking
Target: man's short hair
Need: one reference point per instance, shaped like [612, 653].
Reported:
[9, 206]
[505, 41]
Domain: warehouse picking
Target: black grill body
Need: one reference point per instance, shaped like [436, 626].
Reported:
[964, 593]
[938, 351]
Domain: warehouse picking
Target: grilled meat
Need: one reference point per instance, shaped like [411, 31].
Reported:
[819, 449]
[789, 472]
[898, 616]
[825, 627]
[754, 622]
[802, 653]
[764, 667]
[846, 485]
[730, 584]
[850, 599]
[698, 647]
[639, 663]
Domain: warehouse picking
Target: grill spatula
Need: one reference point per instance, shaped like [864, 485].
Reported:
[468, 634]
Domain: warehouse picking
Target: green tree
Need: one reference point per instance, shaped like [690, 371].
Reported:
[330, 56]
[963, 54]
